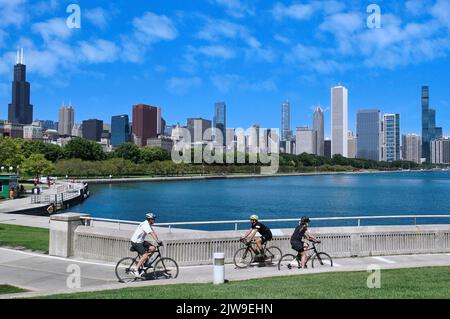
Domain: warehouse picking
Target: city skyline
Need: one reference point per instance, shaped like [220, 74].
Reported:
[244, 64]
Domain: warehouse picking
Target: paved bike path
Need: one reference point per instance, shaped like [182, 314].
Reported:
[43, 275]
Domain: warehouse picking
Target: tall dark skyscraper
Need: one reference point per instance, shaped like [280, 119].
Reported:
[368, 131]
[120, 130]
[93, 129]
[429, 130]
[20, 110]
[146, 123]
[220, 120]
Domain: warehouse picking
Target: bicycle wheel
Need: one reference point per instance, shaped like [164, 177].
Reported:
[165, 268]
[123, 269]
[321, 260]
[288, 262]
[243, 257]
[273, 254]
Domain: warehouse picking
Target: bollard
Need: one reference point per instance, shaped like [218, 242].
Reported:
[219, 268]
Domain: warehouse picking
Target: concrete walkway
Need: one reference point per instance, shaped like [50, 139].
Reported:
[46, 275]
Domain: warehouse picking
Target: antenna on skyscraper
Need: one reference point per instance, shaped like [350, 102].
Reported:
[21, 56]
[17, 57]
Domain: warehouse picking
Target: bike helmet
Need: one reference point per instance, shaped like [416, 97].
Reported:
[254, 217]
[304, 220]
[150, 215]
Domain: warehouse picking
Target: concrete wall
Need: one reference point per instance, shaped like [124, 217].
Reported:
[197, 248]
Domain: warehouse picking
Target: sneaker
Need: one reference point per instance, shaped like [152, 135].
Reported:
[136, 273]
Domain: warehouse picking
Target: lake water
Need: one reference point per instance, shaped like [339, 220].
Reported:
[275, 197]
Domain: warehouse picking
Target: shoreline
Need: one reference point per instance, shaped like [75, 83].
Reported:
[237, 176]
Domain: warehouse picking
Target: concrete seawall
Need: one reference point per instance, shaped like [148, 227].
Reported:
[71, 238]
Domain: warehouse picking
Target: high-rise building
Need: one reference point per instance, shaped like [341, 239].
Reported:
[32, 132]
[429, 130]
[304, 140]
[93, 129]
[200, 129]
[66, 120]
[327, 149]
[440, 151]
[319, 134]
[120, 130]
[352, 144]
[339, 120]
[230, 139]
[146, 123]
[220, 121]
[368, 132]
[253, 139]
[286, 132]
[411, 148]
[77, 130]
[391, 137]
[20, 111]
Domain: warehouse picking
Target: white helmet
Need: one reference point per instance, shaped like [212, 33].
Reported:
[150, 215]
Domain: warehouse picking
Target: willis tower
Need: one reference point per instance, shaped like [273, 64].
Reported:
[20, 111]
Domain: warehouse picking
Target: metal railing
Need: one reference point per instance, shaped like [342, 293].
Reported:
[90, 221]
[64, 192]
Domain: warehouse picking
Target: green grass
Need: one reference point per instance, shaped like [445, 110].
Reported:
[7, 289]
[26, 237]
[430, 282]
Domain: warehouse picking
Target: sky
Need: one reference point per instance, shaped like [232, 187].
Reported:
[253, 54]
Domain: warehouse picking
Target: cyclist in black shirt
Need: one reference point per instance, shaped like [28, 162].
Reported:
[260, 228]
[297, 243]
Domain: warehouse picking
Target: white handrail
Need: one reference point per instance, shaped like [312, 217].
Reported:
[221, 222]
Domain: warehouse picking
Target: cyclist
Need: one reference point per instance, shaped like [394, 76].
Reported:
[297, 243]
[263, 230]
[144, 248]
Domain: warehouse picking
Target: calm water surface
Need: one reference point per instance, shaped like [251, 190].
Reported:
[274, 197]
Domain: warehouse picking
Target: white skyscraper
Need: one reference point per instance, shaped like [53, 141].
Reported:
[304, 140]
[339, 120]
[411, 148]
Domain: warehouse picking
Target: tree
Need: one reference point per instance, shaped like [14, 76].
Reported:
[36, 165]
[10, 154]
[84, 149]
[151, 154]
[51, 152]
[128, 151]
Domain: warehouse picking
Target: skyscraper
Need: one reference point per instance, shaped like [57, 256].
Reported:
[327, 149]
[411, 148]
[352, 144]
[440, 151]
[391, 137]
[220, 121]
[120, 130]
[429, 129]
[20, 111]
[146, 123]
[319, 134]
[200, 129]
[304, 140]
[339, 120]
[92, 129]
[368, 132]
[66, 120]
[286, 121]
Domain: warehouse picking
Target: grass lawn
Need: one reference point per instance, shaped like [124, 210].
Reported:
[430, 282]
[21, 236]
[7, 289]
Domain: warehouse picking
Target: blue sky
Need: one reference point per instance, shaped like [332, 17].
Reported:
[186, 55]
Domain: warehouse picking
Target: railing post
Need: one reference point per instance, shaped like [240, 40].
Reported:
[359, 222]
[235, 226]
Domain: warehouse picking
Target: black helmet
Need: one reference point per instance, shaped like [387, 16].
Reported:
[304, 220]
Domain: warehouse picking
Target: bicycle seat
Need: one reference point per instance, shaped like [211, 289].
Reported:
[132, 248]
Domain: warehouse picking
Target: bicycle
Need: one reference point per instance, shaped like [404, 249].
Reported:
[318, 259]
[243, 257]
[163, 267]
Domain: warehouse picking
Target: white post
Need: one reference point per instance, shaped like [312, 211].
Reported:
[219, 268]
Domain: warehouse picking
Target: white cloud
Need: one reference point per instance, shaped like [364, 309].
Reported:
[3, 36]
[441, 11]
[261, 86]
[224, 83]
[151, 27]
[236, 8]
[12, 12]
[97, 16]
[216, 51]
[294, 11]
[99, 51]
[215, 30]
[53, 28]
[181, 86]
[313, 58]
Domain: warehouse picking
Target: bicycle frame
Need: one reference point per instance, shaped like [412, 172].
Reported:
[157, 255]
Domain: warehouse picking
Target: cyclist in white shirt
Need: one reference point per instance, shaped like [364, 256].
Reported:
[144, 248]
